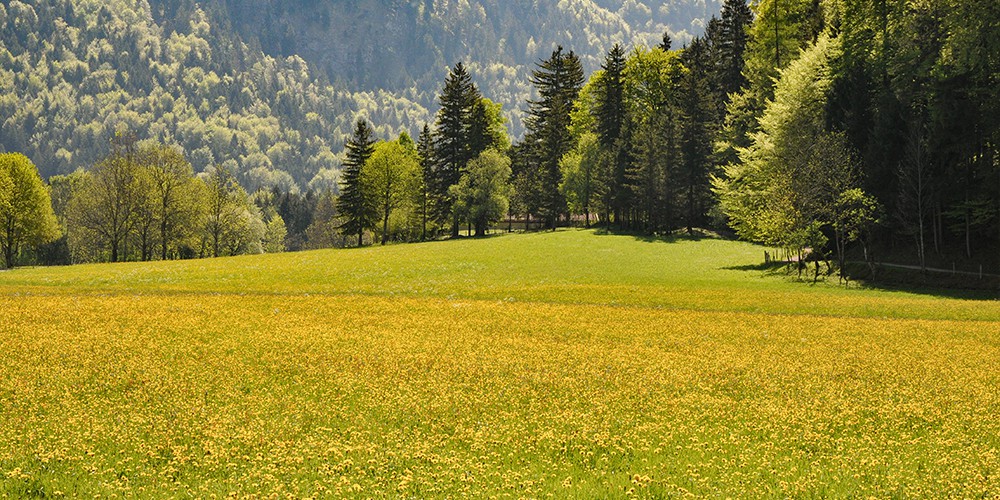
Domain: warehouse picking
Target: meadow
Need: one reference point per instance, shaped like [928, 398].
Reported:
[567, 364]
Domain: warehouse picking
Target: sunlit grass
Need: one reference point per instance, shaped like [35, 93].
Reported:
[568, 363]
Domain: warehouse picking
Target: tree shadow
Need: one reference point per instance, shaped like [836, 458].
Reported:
[920, 283]
[890, 280]
[773, 267]
[673, 237]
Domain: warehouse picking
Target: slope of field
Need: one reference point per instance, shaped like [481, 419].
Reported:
[566, 363]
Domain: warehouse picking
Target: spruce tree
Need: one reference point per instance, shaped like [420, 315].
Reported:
[731, 45]
[352, 205]
[699, 112]
[610, 118]
[451, 145]
[425, 151]
[558, 80]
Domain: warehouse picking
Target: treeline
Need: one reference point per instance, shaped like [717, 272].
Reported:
[874, 120]
[801, 124]
[268, 88]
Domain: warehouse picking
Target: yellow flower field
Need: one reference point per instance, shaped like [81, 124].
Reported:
[147, 392]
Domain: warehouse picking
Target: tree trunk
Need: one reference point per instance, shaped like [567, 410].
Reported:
[385, 227]
[8, 247]
[423, 209]
[163, 240]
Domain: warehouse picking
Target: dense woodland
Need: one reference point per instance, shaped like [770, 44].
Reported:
[819, 127]
[272, 88]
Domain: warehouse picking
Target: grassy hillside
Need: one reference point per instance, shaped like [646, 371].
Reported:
[569, 363]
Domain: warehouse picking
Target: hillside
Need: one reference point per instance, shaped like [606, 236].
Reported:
[273, 87]
[522, 365]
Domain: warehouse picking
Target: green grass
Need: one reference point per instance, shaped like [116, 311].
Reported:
[573, 267]
[568, 363]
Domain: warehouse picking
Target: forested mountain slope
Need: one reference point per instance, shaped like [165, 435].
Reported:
[273, 87]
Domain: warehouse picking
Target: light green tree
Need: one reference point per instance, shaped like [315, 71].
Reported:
[233, 224]
[792, 180]
[26, 216]
[389, 178]
[102, 212]
[581, 179]
[172, 192]
[482, 194]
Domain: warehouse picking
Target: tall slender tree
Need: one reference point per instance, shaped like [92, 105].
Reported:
[425, 155]
[452, 148]
[558, 81]
[610, 117]
[353, 205]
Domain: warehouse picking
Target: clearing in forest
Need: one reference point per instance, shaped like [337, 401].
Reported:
[570, 363]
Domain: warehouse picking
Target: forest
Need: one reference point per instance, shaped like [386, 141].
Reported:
[828, 128]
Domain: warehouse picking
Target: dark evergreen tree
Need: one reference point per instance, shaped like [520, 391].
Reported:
[452, 149]
[665, 43]
[558, 81]
[355, 210]
[610, 118]
[731, 46]
[698, 110]
[425, 150]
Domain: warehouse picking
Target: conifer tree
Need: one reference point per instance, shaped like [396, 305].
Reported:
[353, 206]
[731, 45]
[452, 149]
[425, 153]
[558, 80]
[610, 118]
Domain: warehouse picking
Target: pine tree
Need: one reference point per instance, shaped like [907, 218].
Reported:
[352, 204]
[558, 80]
[610, 117]
[698, 125]
[731, 45]
[425, 151]
[452, 149]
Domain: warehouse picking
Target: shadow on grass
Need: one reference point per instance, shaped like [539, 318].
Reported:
[674, 237]
[933, 284]
[888, 280]
[769, 267]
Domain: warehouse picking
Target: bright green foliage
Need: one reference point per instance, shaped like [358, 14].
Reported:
[172, 196]
[758, 193]
[652, 79]
[781, 29]
[103, 211]
[583, 182]
[792, 179]
[389, 178]
[26, 216]
[482, 194]
[650, 82]
[275, 231]
[233, 225]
